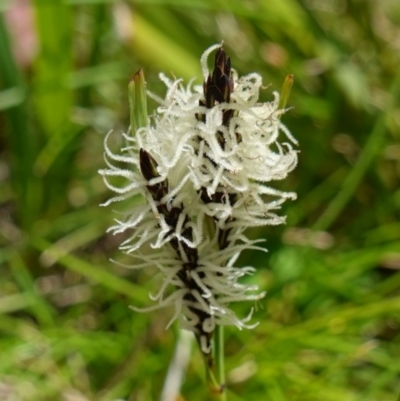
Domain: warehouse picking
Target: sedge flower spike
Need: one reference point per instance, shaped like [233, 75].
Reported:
[202, 165]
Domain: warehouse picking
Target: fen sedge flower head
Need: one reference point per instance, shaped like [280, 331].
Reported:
[202, 165]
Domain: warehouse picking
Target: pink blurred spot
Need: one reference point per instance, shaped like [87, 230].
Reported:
[20, 24]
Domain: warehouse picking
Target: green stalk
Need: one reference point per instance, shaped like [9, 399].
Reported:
[219, 360]
[216, 387]
[214, 363]
[211, 379]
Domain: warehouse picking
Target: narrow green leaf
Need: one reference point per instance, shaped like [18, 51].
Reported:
[40, 307]
[97, 274]
[371, 150]
[53, 98]
[17, 135]
[12, 97]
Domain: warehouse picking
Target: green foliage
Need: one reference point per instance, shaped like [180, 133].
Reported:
[329, 325]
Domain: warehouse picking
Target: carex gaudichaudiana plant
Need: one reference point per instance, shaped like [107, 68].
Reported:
[202, 164]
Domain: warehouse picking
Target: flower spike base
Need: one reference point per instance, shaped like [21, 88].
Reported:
[202, 164]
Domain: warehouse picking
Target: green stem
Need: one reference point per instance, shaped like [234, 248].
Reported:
[210, 376]
[216, 387]
[214, 362]
[219, 360]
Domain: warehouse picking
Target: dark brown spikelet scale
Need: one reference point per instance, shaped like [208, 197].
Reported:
[218, 86]
[218, 89]
[219, 197]
[148, 168]
[184, 276]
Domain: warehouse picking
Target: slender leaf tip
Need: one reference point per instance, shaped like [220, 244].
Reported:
[285, 92]
[137, 101]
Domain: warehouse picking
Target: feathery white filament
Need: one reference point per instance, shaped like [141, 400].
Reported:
[191, 162]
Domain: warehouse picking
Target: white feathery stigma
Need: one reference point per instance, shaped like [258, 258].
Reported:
[202, 168]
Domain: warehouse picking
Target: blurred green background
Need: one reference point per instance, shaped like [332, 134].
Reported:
[329, 325]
